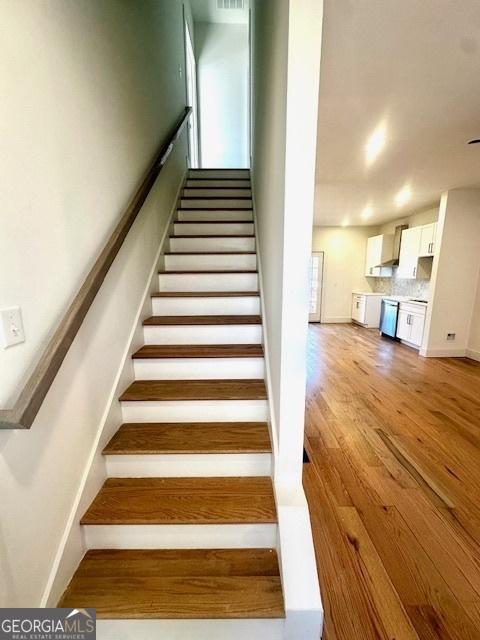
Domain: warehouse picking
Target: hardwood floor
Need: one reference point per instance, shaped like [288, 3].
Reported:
[393, 486]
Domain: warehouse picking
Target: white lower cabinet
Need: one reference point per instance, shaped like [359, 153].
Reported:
[366, 309]
[411, 323]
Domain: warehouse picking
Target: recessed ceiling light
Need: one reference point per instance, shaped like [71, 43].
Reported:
[474, 141]
[375, 144]
[403, 196]
[367, 213]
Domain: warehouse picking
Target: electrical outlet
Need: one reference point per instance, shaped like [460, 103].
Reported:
[11, 327]
[451, 336]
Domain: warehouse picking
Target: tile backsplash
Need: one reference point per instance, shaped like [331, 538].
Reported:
[400, 287]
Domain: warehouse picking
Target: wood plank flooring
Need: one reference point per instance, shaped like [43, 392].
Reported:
[393, 487]
[186, 583]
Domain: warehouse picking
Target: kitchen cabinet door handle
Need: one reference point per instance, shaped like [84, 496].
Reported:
[414, 271]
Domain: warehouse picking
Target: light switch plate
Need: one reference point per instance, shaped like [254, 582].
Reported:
[11, 327]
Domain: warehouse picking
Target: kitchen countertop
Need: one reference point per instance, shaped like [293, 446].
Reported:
[404, 299]
[368, 293]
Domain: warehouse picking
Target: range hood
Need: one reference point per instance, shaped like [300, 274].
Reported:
[397, 239]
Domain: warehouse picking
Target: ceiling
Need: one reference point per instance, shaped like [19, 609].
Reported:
[208, 11]
[409, 71]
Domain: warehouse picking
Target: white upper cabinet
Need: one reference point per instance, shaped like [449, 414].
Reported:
[379, 251]
[427, 240]
[409, 253]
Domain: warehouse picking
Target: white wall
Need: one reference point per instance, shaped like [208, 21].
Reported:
[84, 105]
[101, 90]
[343, 268]
[455, 274]
[286, 43]
[269, 109]
[473, 349]
[414, 220]
[222, 77]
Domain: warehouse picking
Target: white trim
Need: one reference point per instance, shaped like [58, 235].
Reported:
[185, 465]
[253, 629]
[75, 512]
[337, 320]
[442, 353]
[190, 410]
[181, 536]
[272, 424]
[473, 354]
[301, 590]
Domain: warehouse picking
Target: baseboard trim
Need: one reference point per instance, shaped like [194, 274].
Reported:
[473, 354]
[272, 423]
[336, 320]
[443, 353]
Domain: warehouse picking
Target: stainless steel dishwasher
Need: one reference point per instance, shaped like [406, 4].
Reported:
[389, 318]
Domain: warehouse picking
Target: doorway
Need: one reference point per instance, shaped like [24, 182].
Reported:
[316, 279]
[191, 80]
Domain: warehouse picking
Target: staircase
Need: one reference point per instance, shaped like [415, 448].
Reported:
[185, 526]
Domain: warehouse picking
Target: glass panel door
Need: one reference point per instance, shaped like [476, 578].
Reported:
[316, 276]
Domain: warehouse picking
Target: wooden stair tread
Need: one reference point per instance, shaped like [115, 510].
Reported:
[182, 584]
[215, 197]
[210, 253]
[242, 235]
[214, 221]
[207, 272]
[185, 390]
[205, 294]
[226, 500]
[199, 351]
[157, 321]
[149, 438]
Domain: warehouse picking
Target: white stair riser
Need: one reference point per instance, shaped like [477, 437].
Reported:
[208, 282]
[253, 629]
[211, 182]
[215, 203]
[222, 215]
[213, 229]
[219, 173]
[211, 244]
[196, 411]
[206, 306]
[180, 536]
[198, 368]
[225, 262]
[224, 192]
[189, 465]
[203, 334]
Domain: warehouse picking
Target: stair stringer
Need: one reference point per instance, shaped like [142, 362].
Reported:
[73, 546]
[296, 554]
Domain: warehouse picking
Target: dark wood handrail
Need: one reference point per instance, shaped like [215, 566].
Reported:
[28, 403]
